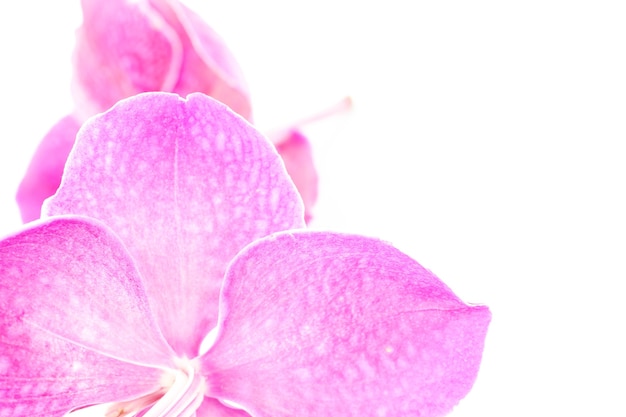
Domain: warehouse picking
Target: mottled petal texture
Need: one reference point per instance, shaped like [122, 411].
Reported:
[186, 184]
[43, 175]
[320, 324]
[75, 324]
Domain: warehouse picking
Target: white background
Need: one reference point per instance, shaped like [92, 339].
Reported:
[485, 141]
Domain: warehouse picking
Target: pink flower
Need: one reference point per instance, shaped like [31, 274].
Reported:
[166, 202]
[295, 150]
[127, 47]
[45, 170]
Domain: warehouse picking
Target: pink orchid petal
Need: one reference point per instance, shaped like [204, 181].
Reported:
[319, 324]
[208, 66]
[128, 47]
[186, 184]
[297, 154]
[212, 408]
[43, 175]
[123, 48]
[75, 322]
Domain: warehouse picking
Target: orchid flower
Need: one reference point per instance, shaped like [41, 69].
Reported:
[125, 47]
[176, 219]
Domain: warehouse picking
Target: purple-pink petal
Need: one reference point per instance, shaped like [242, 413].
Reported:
[208, 66]
[186, 184]
[76, 327]
[43, 175]
[128, 47]
[123, 48]
[213, 408]
[316, 324]
[295, 150]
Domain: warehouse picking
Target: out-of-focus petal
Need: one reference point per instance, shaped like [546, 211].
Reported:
[75, 322]
[43, 175]
[212, 408]
[317, 324]
[297, 154]
[186, 184]
[208, 66]
[127, 47]
[123, 48]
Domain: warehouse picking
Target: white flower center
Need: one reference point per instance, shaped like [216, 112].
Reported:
[180, 393]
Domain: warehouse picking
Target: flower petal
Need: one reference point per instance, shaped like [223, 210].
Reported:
[128, 47]
[123, 48]
[186, 184]
[75, 324]
[212, 408]
[324, 324]
[208, 66]
[43, 175]
[297, 155]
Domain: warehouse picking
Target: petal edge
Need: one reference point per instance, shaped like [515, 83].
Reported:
[319, 323]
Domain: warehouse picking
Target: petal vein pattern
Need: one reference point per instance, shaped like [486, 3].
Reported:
[186, 184]
[326, 324]
[76, 327]
[165, 201]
